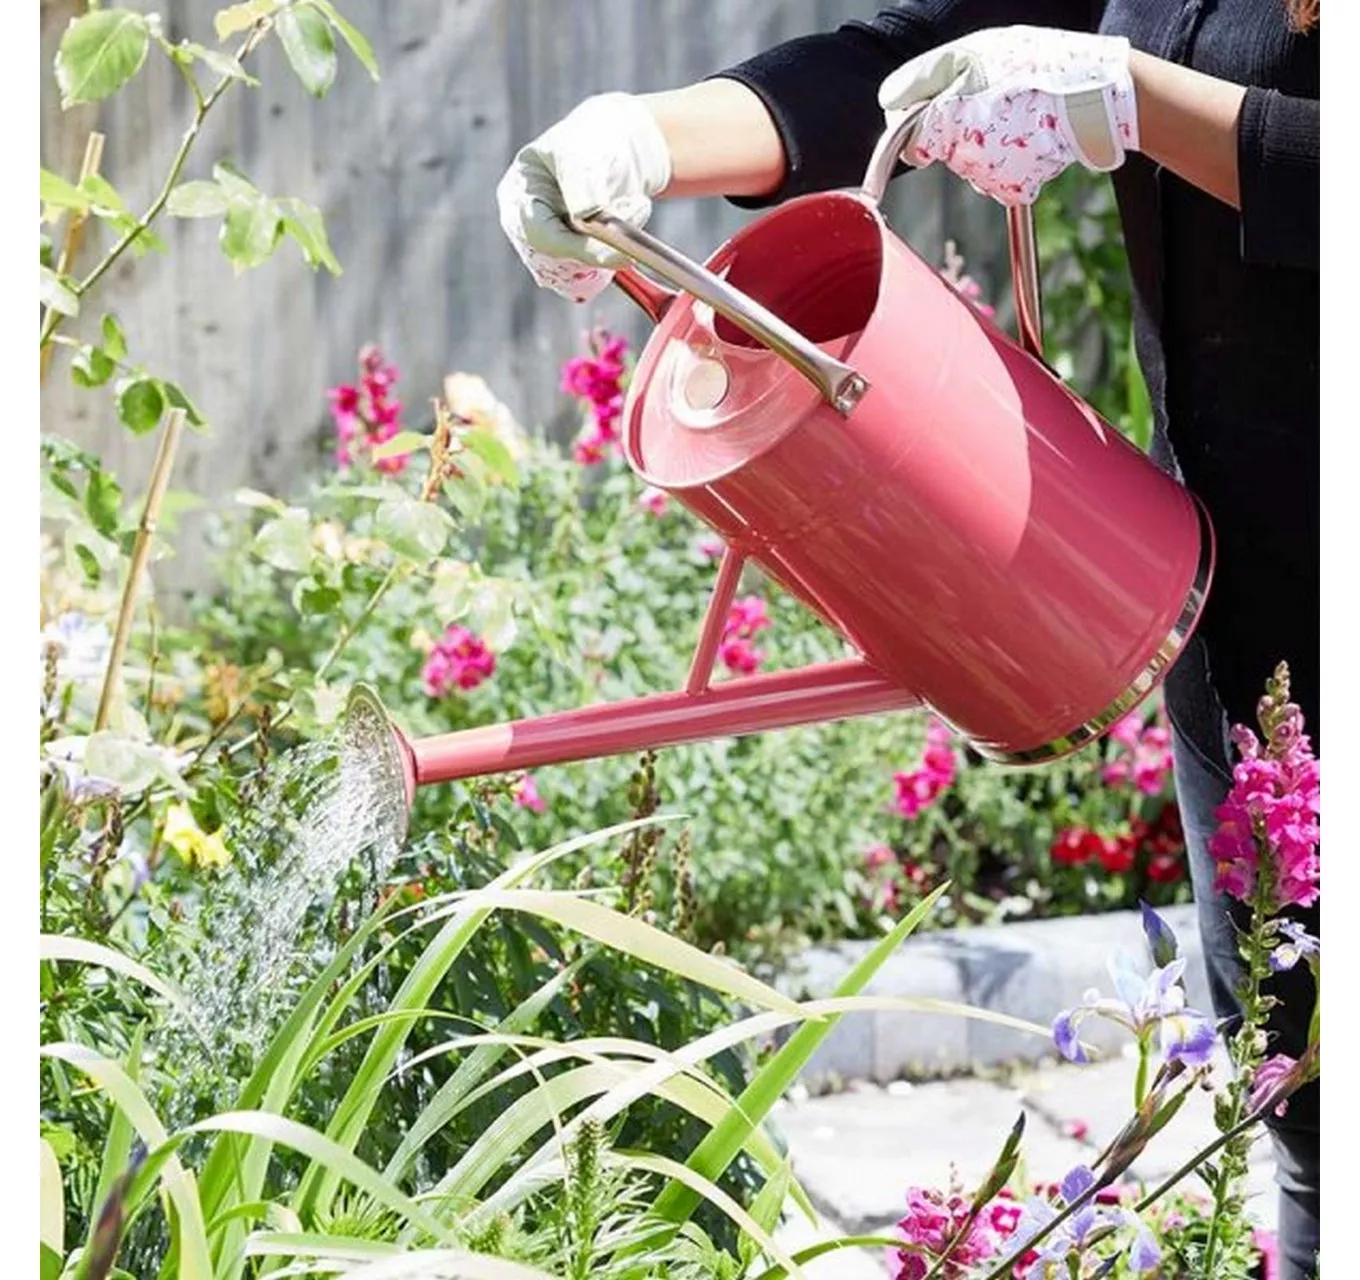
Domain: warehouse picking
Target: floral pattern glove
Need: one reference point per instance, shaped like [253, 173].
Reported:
[1008, 109]
[608, 155]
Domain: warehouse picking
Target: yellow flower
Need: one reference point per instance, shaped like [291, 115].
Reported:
[190, 841]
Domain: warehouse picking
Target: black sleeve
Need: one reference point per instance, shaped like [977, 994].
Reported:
[1278, 162]
[822, 90]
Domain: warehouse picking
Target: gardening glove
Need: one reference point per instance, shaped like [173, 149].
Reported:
[608, 155]
[1010, 108]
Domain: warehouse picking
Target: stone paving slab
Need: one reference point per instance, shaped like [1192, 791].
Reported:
[858, 1151]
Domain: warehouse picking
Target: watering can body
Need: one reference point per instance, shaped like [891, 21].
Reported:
[972, 528]
[984, 542]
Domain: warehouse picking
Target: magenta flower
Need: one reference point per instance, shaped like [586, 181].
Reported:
[1270, 815]
[527, 797]
[367, 414]
[916, 789]
[460, 660]
[598, 380]
[745, 619]
[932, 1220]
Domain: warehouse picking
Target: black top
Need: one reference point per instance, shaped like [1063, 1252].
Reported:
[1225, 303]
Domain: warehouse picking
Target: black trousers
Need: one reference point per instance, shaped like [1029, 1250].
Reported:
[1200, 788]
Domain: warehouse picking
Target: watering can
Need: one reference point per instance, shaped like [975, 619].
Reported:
[845, 420]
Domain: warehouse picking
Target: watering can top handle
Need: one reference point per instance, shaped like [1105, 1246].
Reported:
[1024, 249]
[840, 385]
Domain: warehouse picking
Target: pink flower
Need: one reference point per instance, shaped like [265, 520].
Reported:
[598, 380]
[367, 414]
[460, 660]
[711, 548]
[654, 500]
[1270, 815]
[740, 655]
[932, 1220]
[1143, 755]
[878, 855]
[745, 619]
[1274, 1072]
[918, 788]
[527, 797]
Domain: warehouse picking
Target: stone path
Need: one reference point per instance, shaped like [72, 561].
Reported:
[856, 1152]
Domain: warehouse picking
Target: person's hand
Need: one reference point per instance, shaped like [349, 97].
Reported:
[608, 155]
[1010, 108]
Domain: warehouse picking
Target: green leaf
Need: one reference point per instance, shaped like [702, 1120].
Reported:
[115, 344]
[316, 598]
[92, 367]
[128, 763]
[103, 501]
[56, 292]
[141, 402]
[51, 1201]
[766, 1210]
[358, 45]
[89, 564]
[197, 199]
[305, 225]
[241, 17]
[414, 530]
[286, 542]
[492, 451]
[56, 193]
[399, 445]
[100, 52]
[310, 46]
[104, 197]
[178, 400]
[250, 231]
[187, 52]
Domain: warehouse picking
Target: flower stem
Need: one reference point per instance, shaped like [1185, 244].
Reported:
[1140, 1082]
[1244, 1049]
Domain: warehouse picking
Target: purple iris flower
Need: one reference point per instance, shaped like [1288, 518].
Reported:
[1299, 945]
[1161, 938]
[1077, 1232]
[1143, 1002]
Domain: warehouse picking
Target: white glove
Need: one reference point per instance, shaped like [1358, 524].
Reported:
[1010, 108]
[608, 155]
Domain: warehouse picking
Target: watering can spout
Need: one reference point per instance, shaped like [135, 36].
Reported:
[372, 740]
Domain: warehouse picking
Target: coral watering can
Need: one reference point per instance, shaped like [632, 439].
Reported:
[833, 408]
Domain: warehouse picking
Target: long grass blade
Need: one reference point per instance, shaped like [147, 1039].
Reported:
[324, 1153]
[53, 946]
[194, 1260]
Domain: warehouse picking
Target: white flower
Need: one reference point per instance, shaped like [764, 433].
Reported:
[82, 647]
